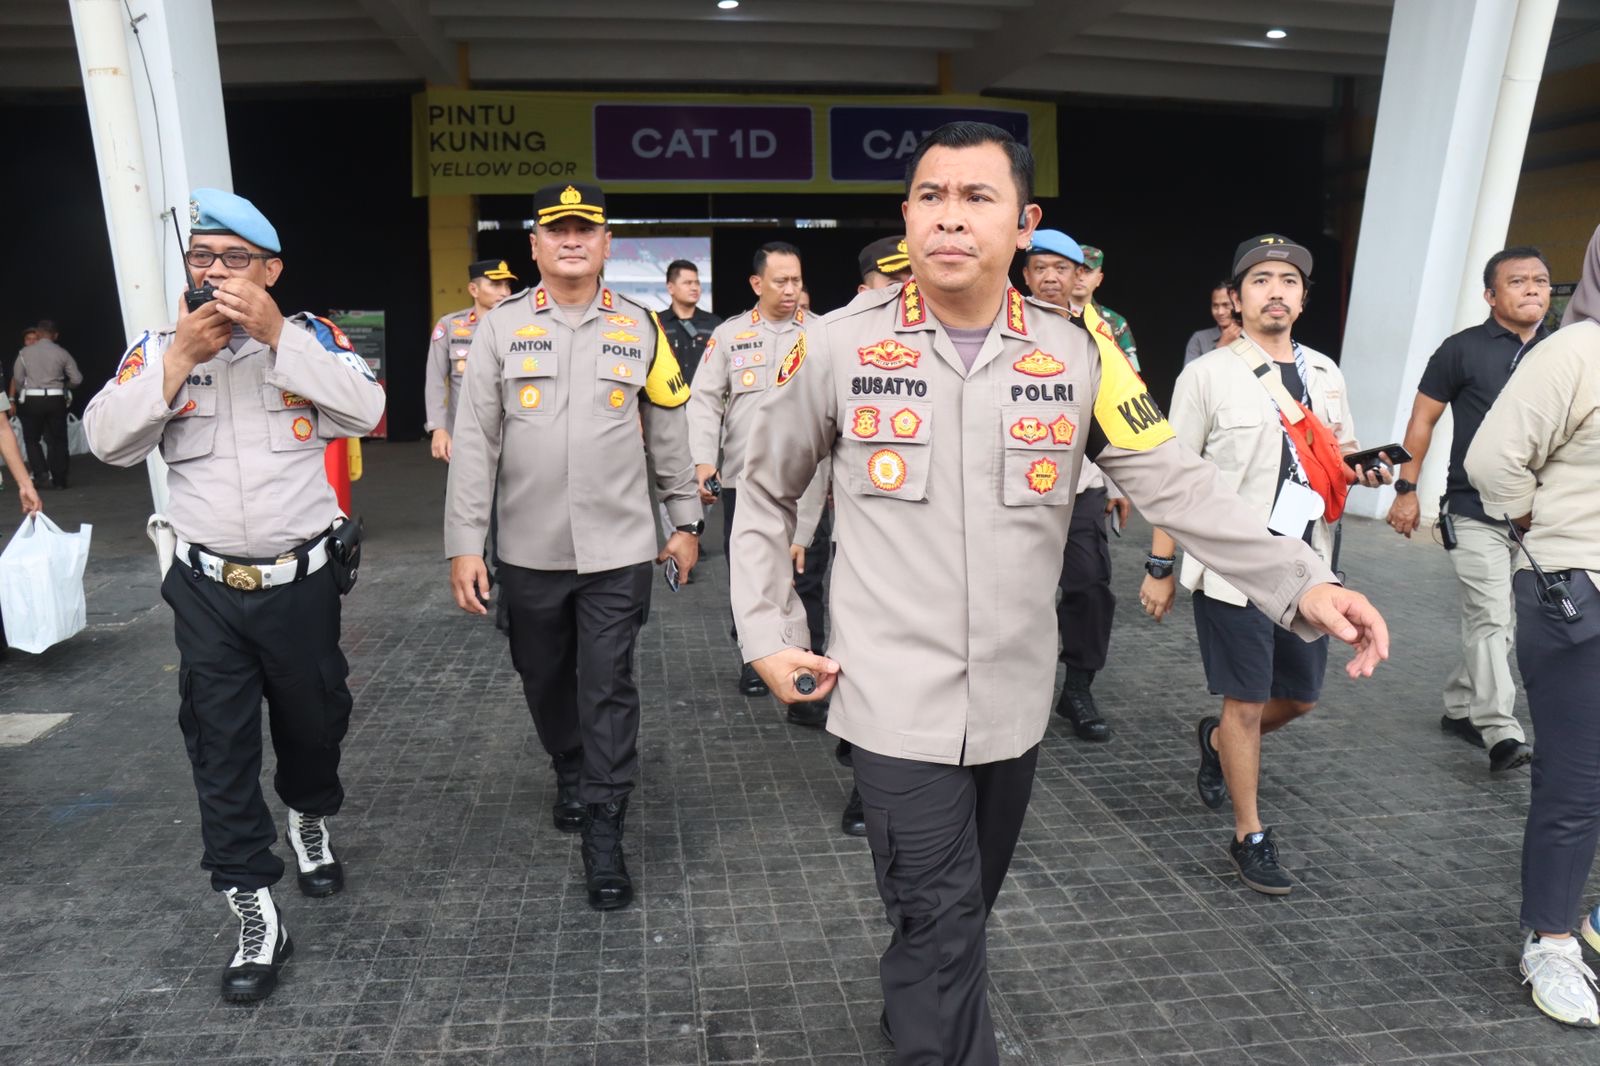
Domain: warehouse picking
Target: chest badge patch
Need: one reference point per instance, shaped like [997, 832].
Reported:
[622, 320]
[1042, 475]
[866, 422]
[746, 335]
[1029, 430]
[886, 470]
[529, 365]
[748, 378]
[530, 330]
[791, 362]
[888, 354]
[1062, 430]
[622, 370]
[291, 399]
[905, 423]
[621, 337]
[1039, 364]
[617, 398]
[529, 397]
[301, 428]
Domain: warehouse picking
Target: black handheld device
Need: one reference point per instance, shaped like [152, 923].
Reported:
[1553, 591]
[713, 486]
[1368, 459]
[344, 550]
[806, 683]
[195, 296]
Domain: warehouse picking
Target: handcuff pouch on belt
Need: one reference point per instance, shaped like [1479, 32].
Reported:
[344, 552]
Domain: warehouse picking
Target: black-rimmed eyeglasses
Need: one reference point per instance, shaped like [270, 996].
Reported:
[233, 258]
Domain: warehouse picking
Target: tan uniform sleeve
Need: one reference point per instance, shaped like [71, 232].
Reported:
[337, 382]
[809, 510]
[74, 375]
[125, 419]
[1531, 418]
[709, 403]
[666, 435]
[475, 447]
[1186, 496]
[795, 429]
[436, 386]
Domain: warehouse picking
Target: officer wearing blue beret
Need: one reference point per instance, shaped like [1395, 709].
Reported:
[242, 401]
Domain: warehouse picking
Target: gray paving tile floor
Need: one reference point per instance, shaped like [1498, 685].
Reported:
[1122, 936]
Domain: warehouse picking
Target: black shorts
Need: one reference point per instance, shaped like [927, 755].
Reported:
[1249, 659]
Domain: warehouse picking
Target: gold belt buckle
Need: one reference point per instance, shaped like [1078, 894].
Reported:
[241, 577]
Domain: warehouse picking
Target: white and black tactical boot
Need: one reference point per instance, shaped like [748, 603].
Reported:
[263, 947]
[319, 873]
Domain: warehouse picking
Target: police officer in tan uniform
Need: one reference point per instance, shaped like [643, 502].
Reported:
[559, 382]
[42, 378]
[957, 412]
[242, 401]
[737, 369]
[489, 282]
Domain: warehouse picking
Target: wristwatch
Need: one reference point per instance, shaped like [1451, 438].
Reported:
[1160, 569]
[694, 528]
[1402, 486]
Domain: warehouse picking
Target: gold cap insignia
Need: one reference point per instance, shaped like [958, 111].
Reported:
[571, 195]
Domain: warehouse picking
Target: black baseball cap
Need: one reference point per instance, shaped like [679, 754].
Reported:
[1271, 246]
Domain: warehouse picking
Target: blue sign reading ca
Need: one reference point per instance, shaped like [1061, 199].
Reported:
[873, 143]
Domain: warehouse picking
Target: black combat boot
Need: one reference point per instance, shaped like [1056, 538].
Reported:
[1077, 706]
[568, 812]
[604, 870]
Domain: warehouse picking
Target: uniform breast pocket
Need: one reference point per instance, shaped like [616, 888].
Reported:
[292, 422]
[887, 449]
[192, 432]
[1237, 428]
[616, 385]
[748, 378]
[1039, 441]
[529, 381]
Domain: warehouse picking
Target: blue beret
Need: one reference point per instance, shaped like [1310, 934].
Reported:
[1054, 242]
[215, 211]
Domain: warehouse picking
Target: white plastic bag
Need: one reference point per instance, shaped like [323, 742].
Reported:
[41, 583]
[77, 439]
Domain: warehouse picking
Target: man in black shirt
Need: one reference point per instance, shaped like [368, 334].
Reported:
[686, 326]
[1466, 374]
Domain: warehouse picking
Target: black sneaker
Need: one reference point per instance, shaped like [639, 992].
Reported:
[1509, 754]
[1463, 728]
[853, 822]
[1256, 859]
[1208, 780]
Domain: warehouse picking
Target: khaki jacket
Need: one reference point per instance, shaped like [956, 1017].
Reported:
[953, 493]
[244, 437]
[448, 346]
[553, 413]
[1220, 410]
[740, 362]
[1538, 450]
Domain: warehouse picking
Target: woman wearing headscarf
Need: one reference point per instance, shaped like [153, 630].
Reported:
[1536, 460]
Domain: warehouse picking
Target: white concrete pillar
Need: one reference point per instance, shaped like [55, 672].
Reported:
[1441, 91]
[154, 92]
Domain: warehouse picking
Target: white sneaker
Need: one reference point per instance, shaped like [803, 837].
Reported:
[1563, 985]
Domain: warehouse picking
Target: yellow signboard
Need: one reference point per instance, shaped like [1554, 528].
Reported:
[469, 141]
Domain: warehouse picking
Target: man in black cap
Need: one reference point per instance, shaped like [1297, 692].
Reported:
[489, 282]
[884, 262]
[571, 390]
[1235, 406]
